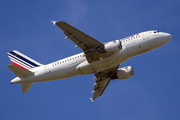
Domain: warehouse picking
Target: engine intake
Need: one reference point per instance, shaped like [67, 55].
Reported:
[125, 72]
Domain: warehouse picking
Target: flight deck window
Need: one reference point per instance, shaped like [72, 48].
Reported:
[156, 31]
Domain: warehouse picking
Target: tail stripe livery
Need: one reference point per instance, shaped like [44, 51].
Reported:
[18, 61]
[23, 58]
[19, 65]
[22, 61]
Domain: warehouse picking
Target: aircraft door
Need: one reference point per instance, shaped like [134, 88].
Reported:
[46, 69]
[145, 36]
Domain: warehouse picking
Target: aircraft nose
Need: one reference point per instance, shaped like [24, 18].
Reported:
[167, 37]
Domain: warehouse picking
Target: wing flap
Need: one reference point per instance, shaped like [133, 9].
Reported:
[100, 87]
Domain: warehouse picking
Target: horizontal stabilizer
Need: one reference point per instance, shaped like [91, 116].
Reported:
[26, 87]
[20, 72]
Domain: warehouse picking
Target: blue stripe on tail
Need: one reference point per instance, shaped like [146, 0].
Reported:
[24, 59]
[19, 60]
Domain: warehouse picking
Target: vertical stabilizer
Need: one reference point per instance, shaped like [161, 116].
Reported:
[22, 60]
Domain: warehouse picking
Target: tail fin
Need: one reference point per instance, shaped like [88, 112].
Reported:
[22, 60]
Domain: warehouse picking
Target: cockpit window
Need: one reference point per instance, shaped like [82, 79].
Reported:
[156, 31]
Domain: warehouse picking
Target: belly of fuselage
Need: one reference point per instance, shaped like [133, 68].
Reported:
[104, 63]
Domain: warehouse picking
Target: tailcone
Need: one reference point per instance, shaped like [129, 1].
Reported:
[16, 80]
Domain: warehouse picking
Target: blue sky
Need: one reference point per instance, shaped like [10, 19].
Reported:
[152, 93]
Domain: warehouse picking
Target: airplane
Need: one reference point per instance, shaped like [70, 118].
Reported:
[101, 59]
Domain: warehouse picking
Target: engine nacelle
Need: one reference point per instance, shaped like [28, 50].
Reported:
[113, 46]
[125, 72]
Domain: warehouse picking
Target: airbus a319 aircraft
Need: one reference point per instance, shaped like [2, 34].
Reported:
[101, 59]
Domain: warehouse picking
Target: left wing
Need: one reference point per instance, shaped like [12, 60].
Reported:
[88, 44]
[81, 39]
[102, 80]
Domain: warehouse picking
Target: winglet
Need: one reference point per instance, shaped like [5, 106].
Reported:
[91, 99]
[54, 22]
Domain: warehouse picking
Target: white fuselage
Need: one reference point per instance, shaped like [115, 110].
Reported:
[78, 64]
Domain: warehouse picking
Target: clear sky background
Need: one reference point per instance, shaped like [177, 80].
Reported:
[151, 94]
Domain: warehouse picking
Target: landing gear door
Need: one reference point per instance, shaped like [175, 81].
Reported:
[145, 36]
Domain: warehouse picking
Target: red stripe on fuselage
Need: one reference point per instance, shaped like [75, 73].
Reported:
[19, 65]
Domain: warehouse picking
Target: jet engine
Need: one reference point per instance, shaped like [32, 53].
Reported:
[113, 46]
[124, 73]
[110, 47]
